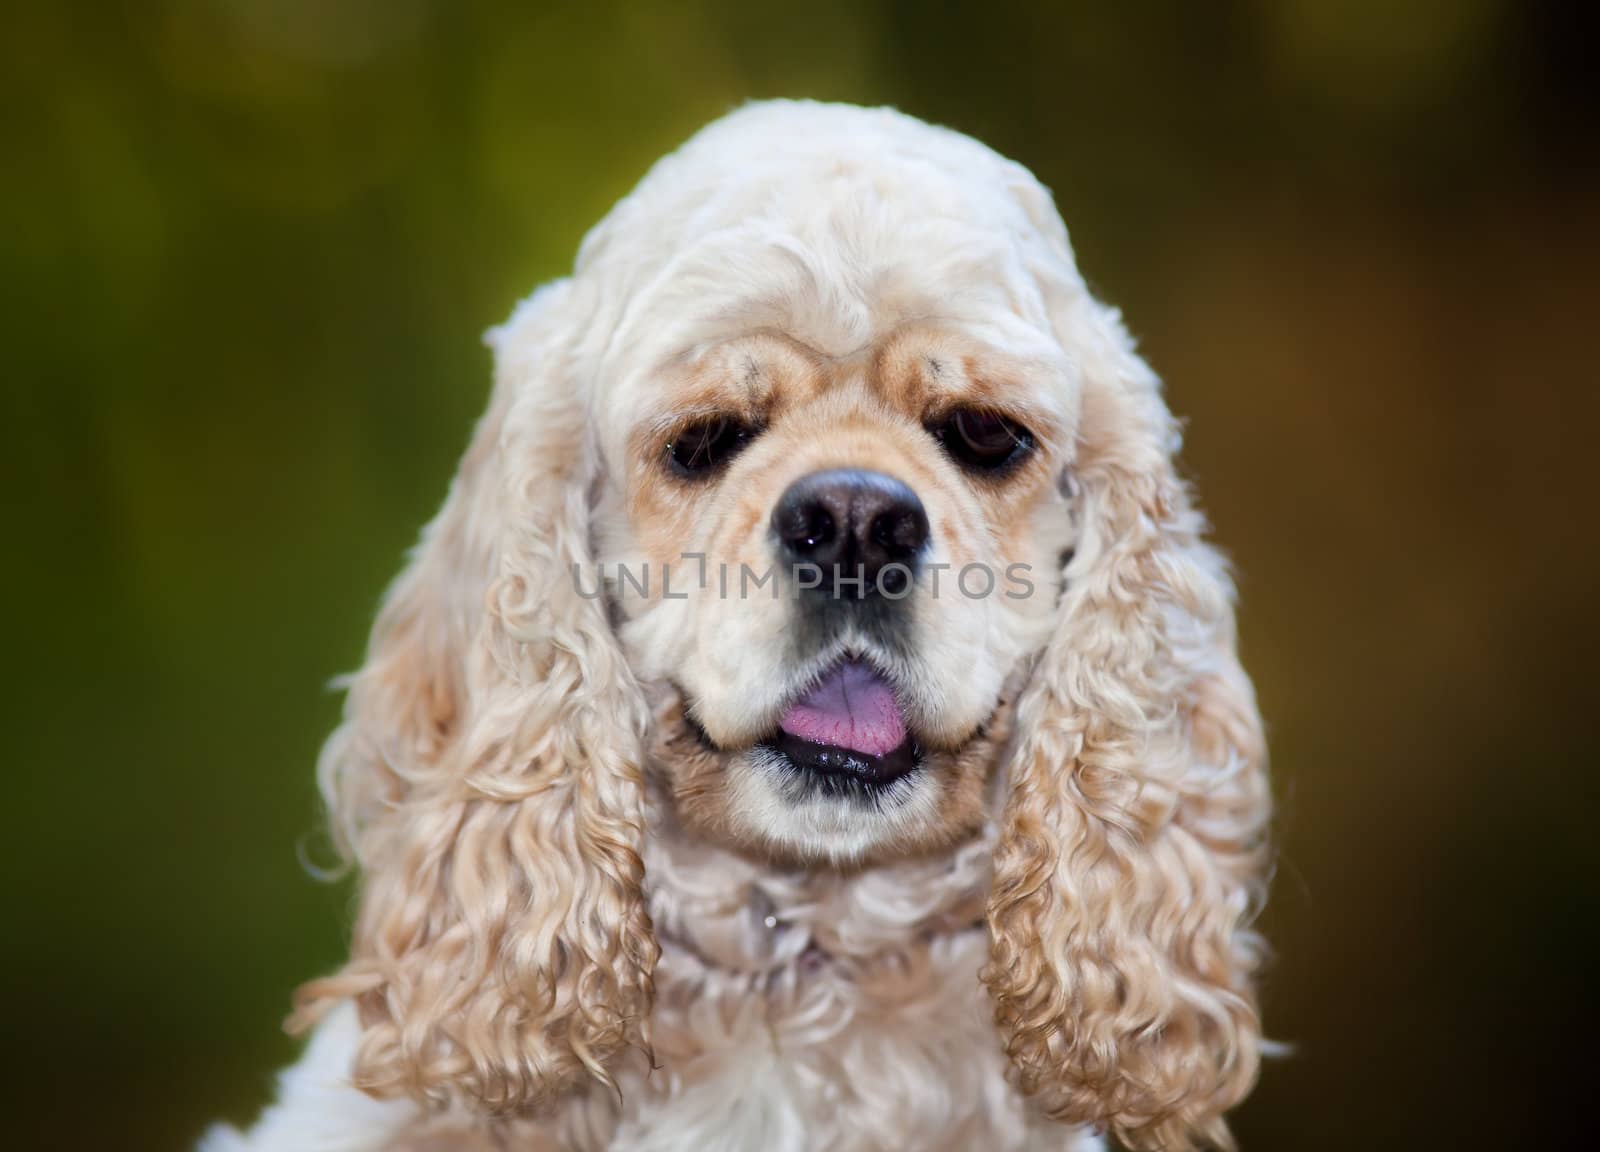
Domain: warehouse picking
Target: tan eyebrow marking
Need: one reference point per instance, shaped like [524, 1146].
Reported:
[928, 372]
[747, 377]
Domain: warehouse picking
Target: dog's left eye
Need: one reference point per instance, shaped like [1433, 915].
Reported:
[981, 440]
[702, 448]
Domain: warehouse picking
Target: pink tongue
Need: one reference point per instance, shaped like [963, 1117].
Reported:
[853, 707]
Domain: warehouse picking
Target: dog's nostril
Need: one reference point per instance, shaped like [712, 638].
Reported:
[804, 526]
[901, 531]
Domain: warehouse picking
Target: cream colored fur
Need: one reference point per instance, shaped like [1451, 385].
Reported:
[580, 930]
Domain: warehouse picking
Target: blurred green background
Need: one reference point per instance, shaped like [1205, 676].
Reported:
[249, 249]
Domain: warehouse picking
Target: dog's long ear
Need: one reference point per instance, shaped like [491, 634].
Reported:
[487, 775]
[1132, 856]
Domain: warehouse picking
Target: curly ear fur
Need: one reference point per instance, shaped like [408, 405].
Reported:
[487, 776]
[1132, 856]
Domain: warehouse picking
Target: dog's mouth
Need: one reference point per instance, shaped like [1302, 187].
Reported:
[847, 732]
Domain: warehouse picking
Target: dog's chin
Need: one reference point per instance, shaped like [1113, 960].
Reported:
[821, 802]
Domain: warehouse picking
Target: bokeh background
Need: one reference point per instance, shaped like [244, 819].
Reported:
[249, 248]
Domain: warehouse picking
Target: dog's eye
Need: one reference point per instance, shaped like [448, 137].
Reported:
[702, 448]
[983, 441]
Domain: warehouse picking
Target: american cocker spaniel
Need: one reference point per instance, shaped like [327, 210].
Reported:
[813, 720]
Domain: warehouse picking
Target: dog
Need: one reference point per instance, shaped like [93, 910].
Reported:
[813, 720]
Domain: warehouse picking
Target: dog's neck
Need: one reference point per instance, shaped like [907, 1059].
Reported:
[717, 910]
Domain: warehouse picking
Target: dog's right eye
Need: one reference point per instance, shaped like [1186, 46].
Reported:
[702, 448]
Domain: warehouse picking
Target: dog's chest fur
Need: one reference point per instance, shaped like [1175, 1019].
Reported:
[799, 1011]
[795, 1012]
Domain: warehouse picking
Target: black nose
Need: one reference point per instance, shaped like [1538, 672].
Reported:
[852, 525]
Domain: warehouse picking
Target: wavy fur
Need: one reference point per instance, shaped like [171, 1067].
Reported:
[488, 779]
[513, 753]
[1131, 859]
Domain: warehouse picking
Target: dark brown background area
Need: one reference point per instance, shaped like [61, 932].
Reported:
[248, 252]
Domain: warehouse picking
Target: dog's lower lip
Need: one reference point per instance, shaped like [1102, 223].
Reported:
[831, 760]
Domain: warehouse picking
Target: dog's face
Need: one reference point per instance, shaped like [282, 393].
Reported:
[885, 513]
[849, 559]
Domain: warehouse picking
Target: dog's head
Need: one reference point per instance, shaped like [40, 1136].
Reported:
[825, 491]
